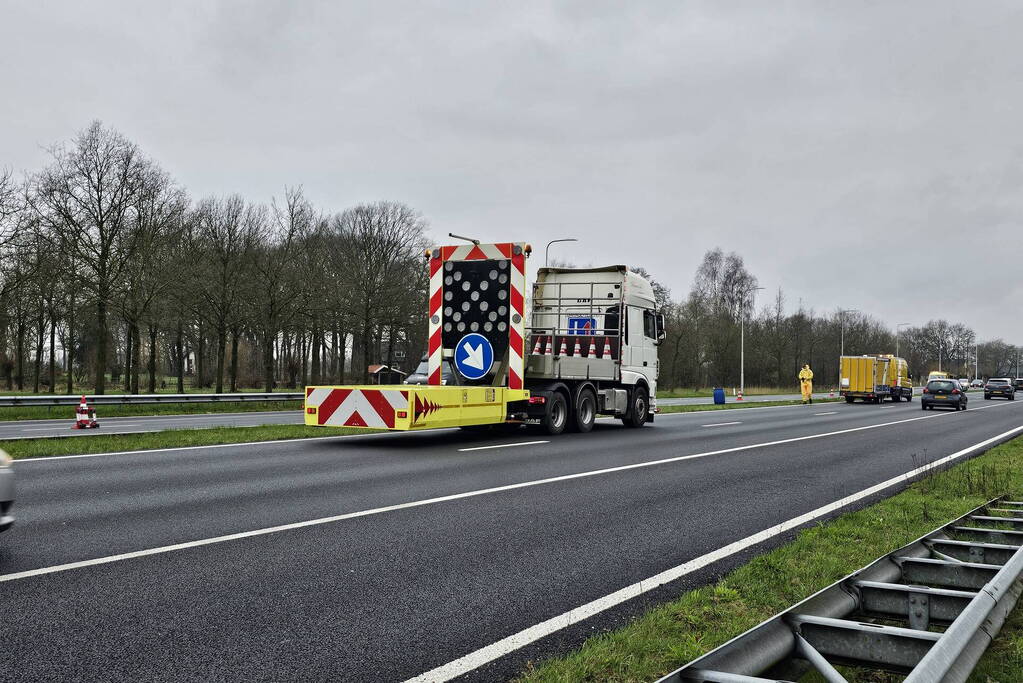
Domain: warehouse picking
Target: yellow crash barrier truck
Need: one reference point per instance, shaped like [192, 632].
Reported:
[874, 378]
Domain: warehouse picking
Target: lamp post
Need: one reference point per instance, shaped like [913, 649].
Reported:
[897, 327]
[742, 340]
[547, 251]
[841, 314]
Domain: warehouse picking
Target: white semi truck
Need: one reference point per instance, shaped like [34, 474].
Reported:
[587, 346]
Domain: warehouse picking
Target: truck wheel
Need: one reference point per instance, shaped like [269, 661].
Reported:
[585, 411]
[636, 417]
[556, 417]
[848, 399]
[896, 398]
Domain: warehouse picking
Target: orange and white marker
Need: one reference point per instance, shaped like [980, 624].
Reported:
[85, 418]
[607, 348]
[564, 348]
[550, 343]
[576, 351]
[592, 353]
[536, 347]
[739, 397]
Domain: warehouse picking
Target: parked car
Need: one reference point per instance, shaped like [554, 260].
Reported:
[421, 374]
[1017, 384]
[6, 491]
[977, 383]
[1000, 386]
[943, 392]
[964, 382]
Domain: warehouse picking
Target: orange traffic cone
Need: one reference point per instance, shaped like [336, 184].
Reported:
[564, 347]
[592, 353]
[739, 397]
[82, 415]
[536, 347]
[576, 351]
[607, 348]
[550, 343]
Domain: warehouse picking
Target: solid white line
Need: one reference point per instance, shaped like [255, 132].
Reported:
[502, 445]
[474, 660]
[429, 501]
[721, 424]
[833, 412]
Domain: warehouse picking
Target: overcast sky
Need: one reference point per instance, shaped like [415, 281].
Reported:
[858, 154]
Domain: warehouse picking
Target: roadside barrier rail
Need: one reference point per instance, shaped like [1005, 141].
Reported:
[133, 399]
[928, 610]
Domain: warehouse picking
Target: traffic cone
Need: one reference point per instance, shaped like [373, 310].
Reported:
[564, 347]
[739, 397]
[607, 348]
[536, 347]
[550, 343]
[81, 415]
[592, 353]
[576, 351]
[831, 394]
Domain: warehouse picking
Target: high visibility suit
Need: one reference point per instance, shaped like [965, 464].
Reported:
[806, 384]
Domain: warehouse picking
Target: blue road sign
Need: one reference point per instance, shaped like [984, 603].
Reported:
[581, 325]
[474, 356]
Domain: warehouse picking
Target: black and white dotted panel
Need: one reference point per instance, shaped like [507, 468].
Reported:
[476, 297]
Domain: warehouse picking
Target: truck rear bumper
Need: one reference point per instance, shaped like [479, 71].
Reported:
[407, 407]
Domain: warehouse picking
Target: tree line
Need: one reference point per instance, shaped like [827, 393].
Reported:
[112, 277]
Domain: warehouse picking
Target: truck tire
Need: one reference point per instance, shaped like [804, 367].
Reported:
[585, 413]
[555, 418]
[896, 398]
[636, 417]
[849, 399]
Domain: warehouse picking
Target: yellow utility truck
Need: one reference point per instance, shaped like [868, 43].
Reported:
[874, 378]
[587, 346]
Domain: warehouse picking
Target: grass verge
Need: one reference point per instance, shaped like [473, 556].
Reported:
[141, 409]
[677, 632]
[699, 408]
[171, 438]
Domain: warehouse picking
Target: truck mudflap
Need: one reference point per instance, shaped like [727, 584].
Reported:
[408, 407]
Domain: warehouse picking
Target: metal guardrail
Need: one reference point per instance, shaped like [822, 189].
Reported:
[889, 615]
[134, 399]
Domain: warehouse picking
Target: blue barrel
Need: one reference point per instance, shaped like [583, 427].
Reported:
[719, 396]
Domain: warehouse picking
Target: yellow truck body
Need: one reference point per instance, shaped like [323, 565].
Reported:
[408, 407]
[874, 378]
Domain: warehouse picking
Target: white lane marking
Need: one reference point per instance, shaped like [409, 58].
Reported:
[432, 501]
[502, 445]
[833, 412]
[474, 660]
[721, 424]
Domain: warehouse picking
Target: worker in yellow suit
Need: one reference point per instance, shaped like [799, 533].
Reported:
[806, 383]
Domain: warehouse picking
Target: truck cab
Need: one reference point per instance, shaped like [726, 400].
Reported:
[592, 345]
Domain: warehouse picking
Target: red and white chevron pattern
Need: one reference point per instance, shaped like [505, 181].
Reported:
[517, 321]
[357, 407]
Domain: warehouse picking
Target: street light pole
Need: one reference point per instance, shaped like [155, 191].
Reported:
[547, 251]
[900, 325]
[742, 340]
[841, 314]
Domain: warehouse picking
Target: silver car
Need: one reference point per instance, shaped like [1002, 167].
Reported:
[6, 491]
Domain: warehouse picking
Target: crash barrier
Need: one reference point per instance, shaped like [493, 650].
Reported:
[132, 399]
[949, 593]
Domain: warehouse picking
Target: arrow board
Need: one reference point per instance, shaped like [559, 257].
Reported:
[474, 356]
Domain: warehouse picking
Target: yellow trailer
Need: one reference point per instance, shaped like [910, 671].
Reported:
[408, 407]
[874, 378]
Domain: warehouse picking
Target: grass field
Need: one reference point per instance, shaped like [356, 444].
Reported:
[677, 632]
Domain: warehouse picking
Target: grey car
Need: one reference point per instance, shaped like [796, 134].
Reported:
[6, 491]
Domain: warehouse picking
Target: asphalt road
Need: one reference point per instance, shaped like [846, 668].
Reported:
[35, 429]
[349, 591]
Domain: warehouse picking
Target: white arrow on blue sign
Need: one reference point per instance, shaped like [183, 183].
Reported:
[474, 356]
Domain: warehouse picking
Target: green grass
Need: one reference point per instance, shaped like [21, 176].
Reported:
[699, 408]
[171, 438]
[677, 632]
[68, 412]
[707, 392]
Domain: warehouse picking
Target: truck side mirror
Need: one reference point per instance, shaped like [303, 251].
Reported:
[660, 327]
